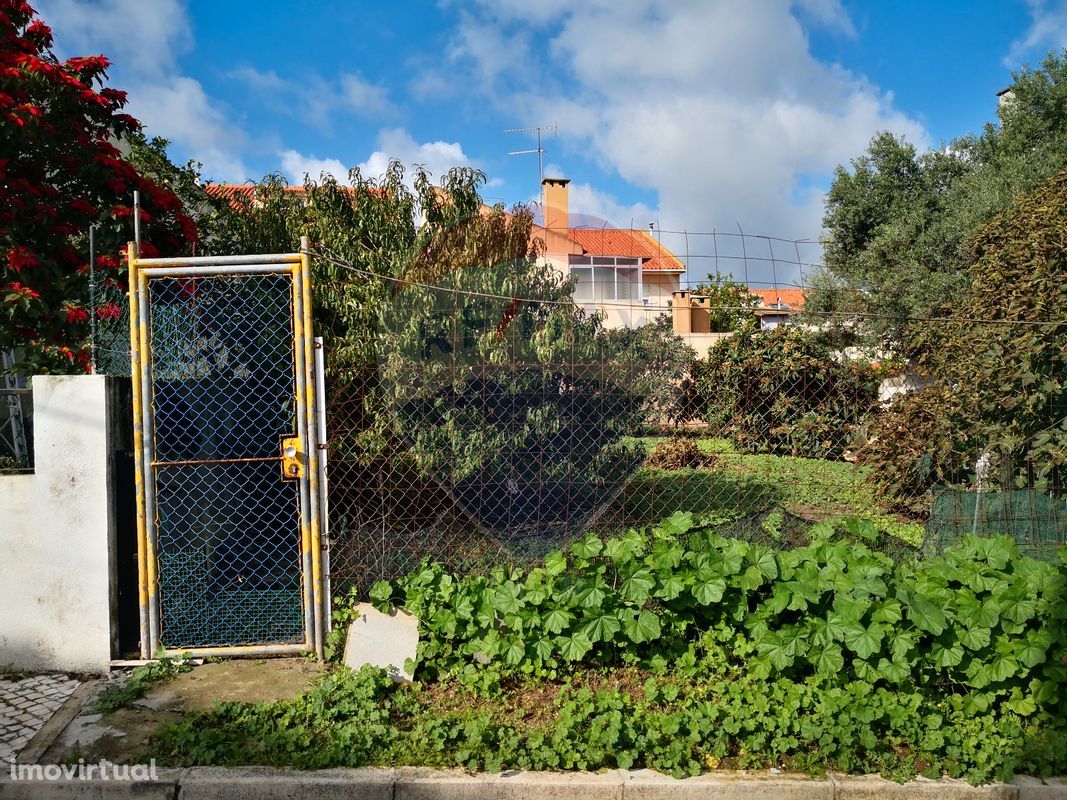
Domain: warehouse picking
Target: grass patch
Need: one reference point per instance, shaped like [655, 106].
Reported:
[745, 489]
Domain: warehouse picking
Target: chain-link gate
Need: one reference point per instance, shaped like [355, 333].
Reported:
[228, 487]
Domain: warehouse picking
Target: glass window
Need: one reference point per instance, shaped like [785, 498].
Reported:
[583, 289]
[626, 282]
[603, 283]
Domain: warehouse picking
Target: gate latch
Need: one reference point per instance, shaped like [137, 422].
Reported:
[292, 458]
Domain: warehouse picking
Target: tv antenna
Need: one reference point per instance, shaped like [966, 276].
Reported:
[539, 129]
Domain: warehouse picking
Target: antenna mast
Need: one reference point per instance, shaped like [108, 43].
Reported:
[539, 150]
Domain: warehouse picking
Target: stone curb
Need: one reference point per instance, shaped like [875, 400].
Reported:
[410, 783]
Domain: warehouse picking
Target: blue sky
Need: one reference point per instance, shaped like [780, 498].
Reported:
[700, 115]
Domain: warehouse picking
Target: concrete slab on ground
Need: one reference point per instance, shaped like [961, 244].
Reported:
[382, 640]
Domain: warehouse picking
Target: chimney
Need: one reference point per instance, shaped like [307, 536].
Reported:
[557, 209]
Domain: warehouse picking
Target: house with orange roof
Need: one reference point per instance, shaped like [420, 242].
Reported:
[239, 193]
[691, 313]
[776, 306]
[627, 275]
[791, 299]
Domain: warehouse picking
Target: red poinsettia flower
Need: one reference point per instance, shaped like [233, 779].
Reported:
[19, 291]
[83, 205]
[75, 314]
[108, 311]
[19, 258]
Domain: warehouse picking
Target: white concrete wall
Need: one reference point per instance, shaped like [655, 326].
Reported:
[57, 534]
[899, 385]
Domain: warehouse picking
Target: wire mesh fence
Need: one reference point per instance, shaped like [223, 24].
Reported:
[488, 430]
[223, 393]
[486, 418]
[110, 340]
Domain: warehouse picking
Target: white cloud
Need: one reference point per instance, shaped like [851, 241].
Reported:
[828, 13]
[296, 166]
[393, 143]
[429, 84]
[316, 99]
[1048, 30]
[719, 107]
[261, 81]
[599, 209]
[144, 40]
[139, 37]
[396, 143]
[489, 50]
[177, 108]
[365, 97]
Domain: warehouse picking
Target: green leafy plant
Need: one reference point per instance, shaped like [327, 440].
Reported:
[899, 222]
[981, 617]
[679, 650]
[730, 303]
[679, 722]
[140, 680]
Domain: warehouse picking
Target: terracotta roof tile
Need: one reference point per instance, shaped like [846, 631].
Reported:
[794, 298]
[626, 243]
[237, 191]
[231, 191]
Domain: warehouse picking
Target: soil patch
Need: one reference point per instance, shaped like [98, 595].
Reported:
[122, 736]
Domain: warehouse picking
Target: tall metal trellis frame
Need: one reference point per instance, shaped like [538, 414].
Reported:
[298, 456]
[13, 429]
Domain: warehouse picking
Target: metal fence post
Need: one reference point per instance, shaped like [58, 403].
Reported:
[313, 449]
[138, 449]
[302, 433]
[324, 493]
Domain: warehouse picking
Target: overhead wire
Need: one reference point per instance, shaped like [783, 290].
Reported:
[325, 255]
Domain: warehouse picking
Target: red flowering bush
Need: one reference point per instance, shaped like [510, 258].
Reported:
[60, 172]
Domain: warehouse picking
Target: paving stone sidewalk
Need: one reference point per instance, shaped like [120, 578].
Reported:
[26, 704]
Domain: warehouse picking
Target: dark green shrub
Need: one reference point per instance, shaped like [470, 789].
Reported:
[784, 391]
[679, 452]
[522, 410]
[995, 369]
[730, 303]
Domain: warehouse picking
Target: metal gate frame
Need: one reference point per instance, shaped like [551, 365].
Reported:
[311, 491]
